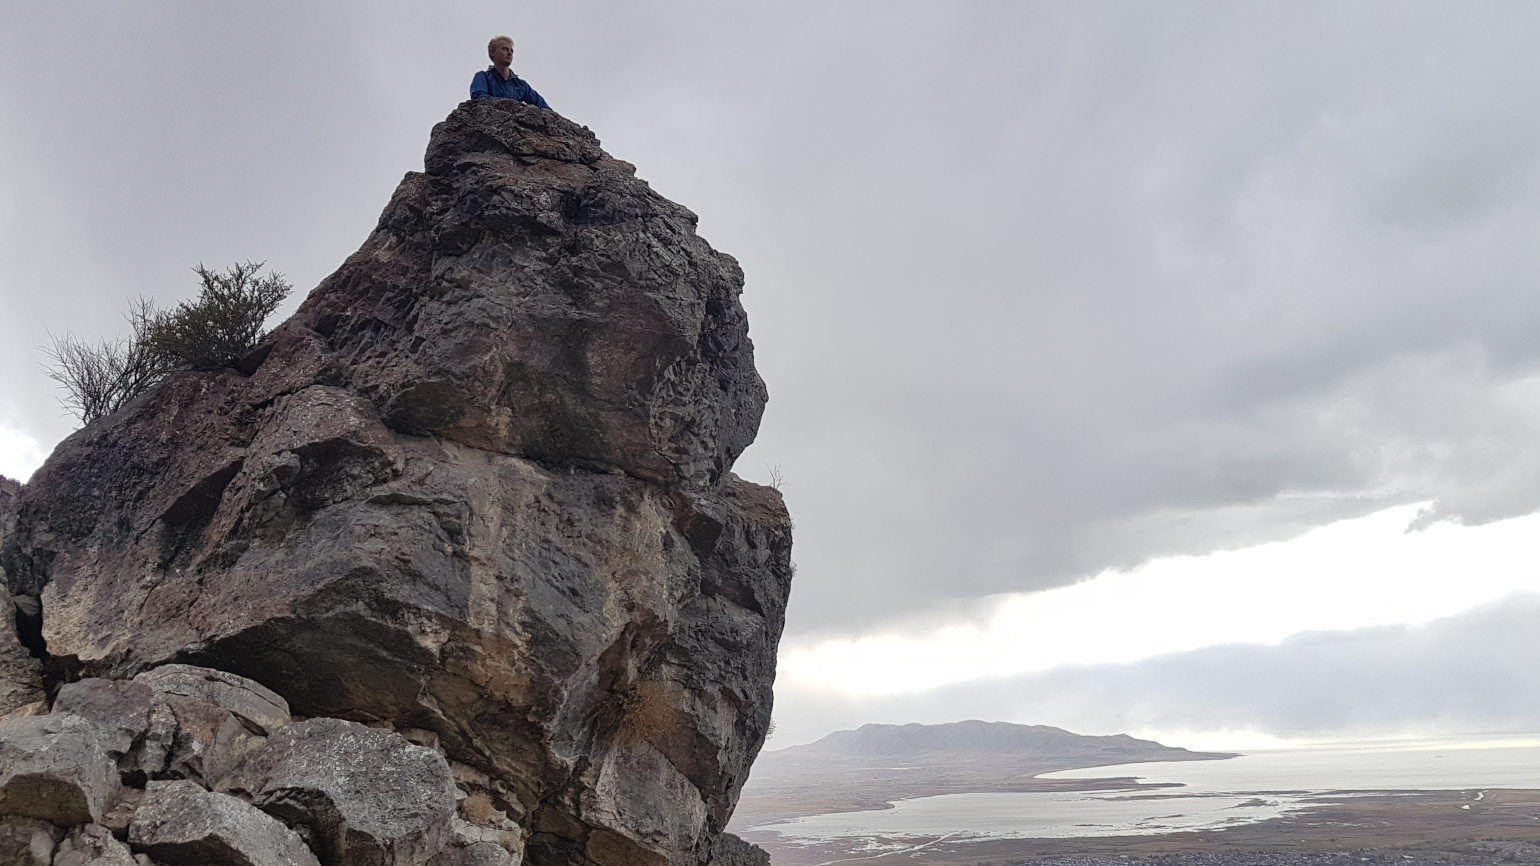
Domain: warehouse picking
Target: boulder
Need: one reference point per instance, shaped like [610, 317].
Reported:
[474, 854]
[367, 797]
[478, 485]
[204, 722]
[54, 768]
[209, 742]
[179, 823]
[176, 722]
[93, 845]
[119, 709]
[257, 707]
[474, 845]
[27, 841]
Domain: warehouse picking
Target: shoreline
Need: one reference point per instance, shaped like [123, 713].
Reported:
[1426, 826]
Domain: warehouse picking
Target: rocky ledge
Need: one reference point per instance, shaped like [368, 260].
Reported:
[469, 513]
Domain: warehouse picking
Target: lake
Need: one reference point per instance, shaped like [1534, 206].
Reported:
[1399, 765]
[1212, 794]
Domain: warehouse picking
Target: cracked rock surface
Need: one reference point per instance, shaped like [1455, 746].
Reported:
[478, 490]
[181, 823]
[366, 796]
[21, 676]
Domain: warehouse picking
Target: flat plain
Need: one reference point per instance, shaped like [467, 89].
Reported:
[1416, 828]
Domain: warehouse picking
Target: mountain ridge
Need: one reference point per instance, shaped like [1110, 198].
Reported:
[972, 736]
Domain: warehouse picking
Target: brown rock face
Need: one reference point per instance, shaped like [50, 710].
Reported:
[478, 485]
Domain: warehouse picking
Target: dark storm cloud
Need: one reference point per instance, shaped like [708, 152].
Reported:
[1038, 289]
[1473, 672]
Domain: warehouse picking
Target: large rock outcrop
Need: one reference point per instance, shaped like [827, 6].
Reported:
[478, 490]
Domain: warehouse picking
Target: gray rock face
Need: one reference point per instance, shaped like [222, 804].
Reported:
[621, 341]
[21, 676]
[369, 797]
[478, 485]
[55, 769]
[180, 823]
[119, 709]
[10, 492]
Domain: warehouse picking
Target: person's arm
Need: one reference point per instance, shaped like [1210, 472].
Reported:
[479, 89]
[534, 98]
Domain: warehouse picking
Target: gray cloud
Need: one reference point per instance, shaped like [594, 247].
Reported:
[1038, 289]
[1472, 672]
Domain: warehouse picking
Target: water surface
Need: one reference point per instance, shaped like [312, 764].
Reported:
[1211, 794]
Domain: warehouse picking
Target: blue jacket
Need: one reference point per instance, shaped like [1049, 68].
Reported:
[489, 84]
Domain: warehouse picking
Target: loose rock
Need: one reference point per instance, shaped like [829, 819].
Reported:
[261, 709]
[472, 845]
[180, 823]
[119, 709]
[93, 845]
[54, 768]
[474, 854]
[26, 841]
[368, 797]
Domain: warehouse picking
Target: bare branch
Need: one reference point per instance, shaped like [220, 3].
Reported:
[214, 331]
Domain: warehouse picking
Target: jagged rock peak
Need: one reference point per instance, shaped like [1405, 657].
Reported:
[476, 490]
[530, 295]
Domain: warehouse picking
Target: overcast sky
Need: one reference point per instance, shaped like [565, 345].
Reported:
[1045, 293]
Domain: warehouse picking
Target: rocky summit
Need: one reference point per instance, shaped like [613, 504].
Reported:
[453, 569]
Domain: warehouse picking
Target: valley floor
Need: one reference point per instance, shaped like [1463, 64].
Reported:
[1475, 854]
[1433, 827]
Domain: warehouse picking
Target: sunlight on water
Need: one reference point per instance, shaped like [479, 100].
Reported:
[1046, 815]
[1469, 762]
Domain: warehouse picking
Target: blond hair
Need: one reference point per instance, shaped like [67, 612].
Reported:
[499, 40]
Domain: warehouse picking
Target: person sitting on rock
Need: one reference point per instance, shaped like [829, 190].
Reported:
[498, 80]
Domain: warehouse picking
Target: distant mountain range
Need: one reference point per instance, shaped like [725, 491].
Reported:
[966, 740]
[874, 765]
